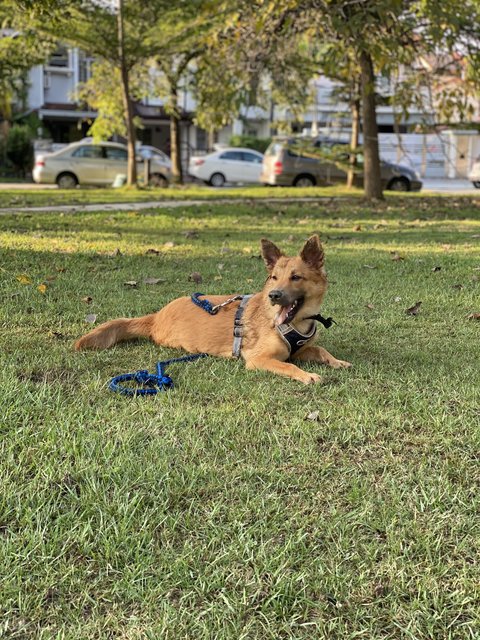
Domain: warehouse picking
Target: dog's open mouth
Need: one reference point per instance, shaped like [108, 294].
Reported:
[288, 313]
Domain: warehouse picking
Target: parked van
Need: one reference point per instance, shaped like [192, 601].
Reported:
[285, 165]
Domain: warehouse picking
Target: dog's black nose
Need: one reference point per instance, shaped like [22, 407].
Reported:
[275, 295]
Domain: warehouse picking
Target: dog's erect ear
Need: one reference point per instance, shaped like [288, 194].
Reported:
[312, 253]
[271, 253]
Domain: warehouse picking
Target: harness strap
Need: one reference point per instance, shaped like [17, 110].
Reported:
[327, 322]
[238, 327]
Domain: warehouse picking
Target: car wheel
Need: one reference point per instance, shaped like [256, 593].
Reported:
[399, 184]
[67, 181]
[217, 180]
[304, 180]
[157, 180]
[476, 184]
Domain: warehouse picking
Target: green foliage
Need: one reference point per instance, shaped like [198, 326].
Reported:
[20, 49]
[103, 92]
[250, 142]
[19, 148]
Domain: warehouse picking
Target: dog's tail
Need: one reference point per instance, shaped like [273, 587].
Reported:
[109, 333]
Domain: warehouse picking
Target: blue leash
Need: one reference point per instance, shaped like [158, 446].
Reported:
[153, 382]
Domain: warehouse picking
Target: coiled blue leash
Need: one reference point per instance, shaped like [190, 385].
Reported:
[152, 382]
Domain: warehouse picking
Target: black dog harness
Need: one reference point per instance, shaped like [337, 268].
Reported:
[293, 338]
[290, 336]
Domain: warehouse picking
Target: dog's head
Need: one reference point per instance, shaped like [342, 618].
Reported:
[296, 285]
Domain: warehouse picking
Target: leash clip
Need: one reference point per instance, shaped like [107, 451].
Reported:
[217, 307]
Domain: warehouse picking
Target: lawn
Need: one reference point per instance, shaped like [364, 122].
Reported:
[242, 505]
[15, 198]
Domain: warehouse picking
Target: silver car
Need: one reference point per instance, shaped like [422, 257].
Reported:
[98, 164]
[284, 166]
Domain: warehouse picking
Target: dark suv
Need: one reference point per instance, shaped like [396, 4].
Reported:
[285, 165]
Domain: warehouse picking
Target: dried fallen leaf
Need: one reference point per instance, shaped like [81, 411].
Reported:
[50, 278]
[131, 283]
[195, 277]
[24, 279]
[435, 269]
[446, 247]
[312, 416]
[154, 280]
[396, 257]
[155, 252]
[357, 227]
[87, 299]
[190, 234]
[413, 311]
[117, 252]
[169, 245]
[457, 286]
[218, 278]
[42, 288]
[397, 299]
[91, 318]
[370, 306]
[474, 316]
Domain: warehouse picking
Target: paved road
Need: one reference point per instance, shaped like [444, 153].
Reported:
[445, 185]
[441, 185]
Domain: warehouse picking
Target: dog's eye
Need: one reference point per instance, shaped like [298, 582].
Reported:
[295, 277]
[274, 277]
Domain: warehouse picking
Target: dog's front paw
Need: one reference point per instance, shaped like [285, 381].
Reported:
[339, 364]
[311, 378]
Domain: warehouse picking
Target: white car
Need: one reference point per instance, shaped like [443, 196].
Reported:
[227, 165]
[99, 164]
[474, 175]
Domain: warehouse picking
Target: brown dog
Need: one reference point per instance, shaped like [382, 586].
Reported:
[276, 324]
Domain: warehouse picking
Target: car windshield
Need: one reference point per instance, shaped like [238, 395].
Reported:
[149, 152]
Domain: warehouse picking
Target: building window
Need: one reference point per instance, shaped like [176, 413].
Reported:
[201, 139]
[84, 67]
[59, 57]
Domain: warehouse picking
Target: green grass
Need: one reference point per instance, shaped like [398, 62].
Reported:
[15, 198]
[217, 510]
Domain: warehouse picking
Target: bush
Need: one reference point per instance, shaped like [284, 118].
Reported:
[250, 142]
[19, 148]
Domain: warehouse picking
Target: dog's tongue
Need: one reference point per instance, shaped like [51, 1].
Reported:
[282, 314]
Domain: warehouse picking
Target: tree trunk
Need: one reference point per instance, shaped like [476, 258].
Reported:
[127, 102]
[354, 136]
[175, 147]
[372, 176]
